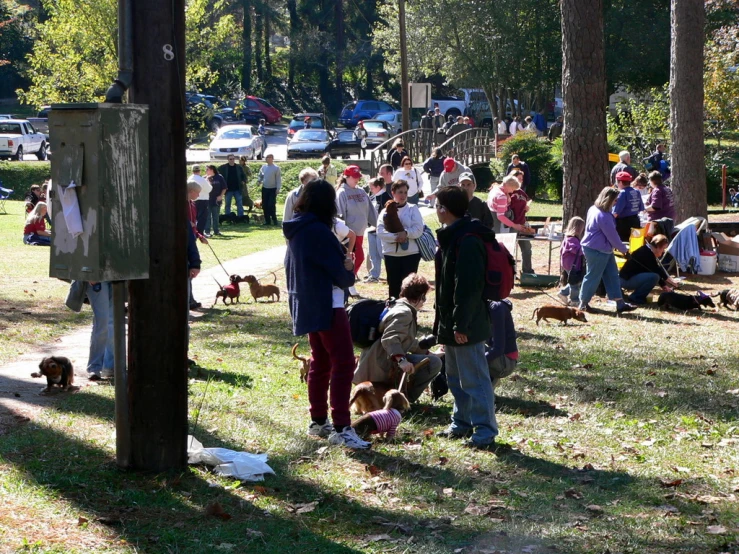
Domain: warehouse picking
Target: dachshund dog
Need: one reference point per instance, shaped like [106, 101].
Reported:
[258, 204]
[259, 291]
[305, 364]
[384, 420]
[230, 291]
[391, 219]
[728, 298]
[368, 396]
[560, 313]
[685, 302]
[58, 371]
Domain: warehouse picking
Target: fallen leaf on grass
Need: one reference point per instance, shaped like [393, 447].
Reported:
[216, 510]
[716, 530]
[378, 538]
[735, 392]
[443, 460]
[666, 483]
[648, 442]
[226, 546]
[428, 433]
[572, 493]
[322, 450]
[373, 470]
[448, 491]
[528, 390]
[305, 508]
[575, 417]
[594, 509]
[81, 521]
[260, 489]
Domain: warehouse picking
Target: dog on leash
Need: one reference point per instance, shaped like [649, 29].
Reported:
[368, 396]
[391, 218]
[685, 302]
[58, 371]
[728, 298]
[232, 291]
[385, 420]
[305, 364]
[259, 291]
[560, 313]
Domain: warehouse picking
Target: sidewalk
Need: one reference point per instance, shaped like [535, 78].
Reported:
[19, 392]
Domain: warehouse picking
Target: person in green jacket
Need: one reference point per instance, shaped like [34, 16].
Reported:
[462, 322]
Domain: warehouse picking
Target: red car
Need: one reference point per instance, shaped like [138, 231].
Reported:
[270, 113]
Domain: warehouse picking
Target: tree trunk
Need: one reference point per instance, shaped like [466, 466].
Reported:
[686, 108]
[339, 18]
[267, 56]
[292, 9]
[246, 39]
[585, 160]
[258, 37]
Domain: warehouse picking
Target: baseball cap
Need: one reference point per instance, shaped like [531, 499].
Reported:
[353, 171]
[449, 164]
[467, 176]
[624, 176]
[195, 168]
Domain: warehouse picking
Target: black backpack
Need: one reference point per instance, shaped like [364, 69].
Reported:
[364, 320]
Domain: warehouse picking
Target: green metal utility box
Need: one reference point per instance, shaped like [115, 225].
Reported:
[100, 191]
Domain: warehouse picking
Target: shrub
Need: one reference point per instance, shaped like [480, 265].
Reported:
[19, 176]
[535, 152]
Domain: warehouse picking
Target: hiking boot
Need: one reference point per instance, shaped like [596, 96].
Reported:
[318, 430]
[453, 435]
[349, 438]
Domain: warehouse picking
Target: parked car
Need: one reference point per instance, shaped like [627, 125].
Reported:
[317, 121]
[269, 113]
[5, 116]
[361, 110]
[395, 119]
[378, 131]
[18, 137]
[41, 121]
[237, 140]
[309, 143]
[344, 145]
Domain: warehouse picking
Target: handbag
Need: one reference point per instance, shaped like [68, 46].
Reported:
[427, 244]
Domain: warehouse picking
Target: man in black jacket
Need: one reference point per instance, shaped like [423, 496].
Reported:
[518, 163]
[235, 177]
[643, 271]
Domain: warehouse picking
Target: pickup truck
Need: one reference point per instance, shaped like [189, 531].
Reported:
[41, 121]
[472, 102]
[18, 137]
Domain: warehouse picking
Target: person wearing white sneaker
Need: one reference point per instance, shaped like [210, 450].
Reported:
[572, 261]
[348, 437]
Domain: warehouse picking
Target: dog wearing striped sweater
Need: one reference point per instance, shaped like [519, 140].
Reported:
[386, 420]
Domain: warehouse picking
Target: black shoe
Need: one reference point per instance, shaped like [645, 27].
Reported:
[625, 307]
[195, 305]
[469, 443]
[93, 377]
[449, 434]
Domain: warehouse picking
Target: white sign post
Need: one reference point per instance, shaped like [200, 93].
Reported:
[420, 94]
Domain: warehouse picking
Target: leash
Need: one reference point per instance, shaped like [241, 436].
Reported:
[217, 283]
[218, 260]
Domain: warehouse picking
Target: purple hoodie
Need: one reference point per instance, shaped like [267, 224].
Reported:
[570, 254]
[600, 232]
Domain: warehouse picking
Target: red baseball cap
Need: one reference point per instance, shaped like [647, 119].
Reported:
[624, 176]
[353, 171]
[449, 164]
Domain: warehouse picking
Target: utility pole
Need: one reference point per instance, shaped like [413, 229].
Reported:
[158, 307]
[404, 86]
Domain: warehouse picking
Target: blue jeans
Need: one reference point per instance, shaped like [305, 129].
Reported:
[101, 340]
[375, 252]
[213, 213]
[601, 265]
[573, 291]
[642, 284]
[468, 376]
[235, 195]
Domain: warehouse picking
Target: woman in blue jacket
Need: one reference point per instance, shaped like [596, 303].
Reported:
[314, 263]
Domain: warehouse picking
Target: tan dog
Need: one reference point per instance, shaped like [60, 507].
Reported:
[368, 396]
[260, 291]
[392, 400]
[58, 371]
[258, 204]
[560, 313]
[305, 364]
[391, 219]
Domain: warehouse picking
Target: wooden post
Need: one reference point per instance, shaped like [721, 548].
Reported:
[158, 307]
[404, 85]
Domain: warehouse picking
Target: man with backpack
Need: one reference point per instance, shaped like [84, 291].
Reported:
[462, 322]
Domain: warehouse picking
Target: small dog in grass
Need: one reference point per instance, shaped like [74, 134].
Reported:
[305, 364]
[259, 291]
[728, 298]
[685, 302]
[385, 420]
[369, 396]
[560, 313]
[232, 291]
[58, 371]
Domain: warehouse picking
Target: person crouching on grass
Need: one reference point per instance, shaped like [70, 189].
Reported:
[314, 264]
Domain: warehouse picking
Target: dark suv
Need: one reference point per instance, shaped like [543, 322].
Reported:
[362, 109]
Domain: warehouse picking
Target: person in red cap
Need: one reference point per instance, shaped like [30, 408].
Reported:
[628, 205]
[360, 135]
[452, 171]
[354, 207]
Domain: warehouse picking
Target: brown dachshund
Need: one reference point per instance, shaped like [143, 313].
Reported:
[392, 400]
[368, 396]
[560, 313]
[305, 364]
[391, 219]
[230, 291]
[259, 291]
[58, 371]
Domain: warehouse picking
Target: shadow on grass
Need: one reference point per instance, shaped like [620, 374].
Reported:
[240, 380]
[30, 311]
[526, 408]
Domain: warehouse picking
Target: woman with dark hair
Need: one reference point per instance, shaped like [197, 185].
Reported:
[434, 166]
[600, 239]
[398, 330]
[661, 203]
[215, 197]
[406, 172]
[400, 249]
[314, 264]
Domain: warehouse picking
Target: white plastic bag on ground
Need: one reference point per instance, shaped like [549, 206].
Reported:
[241, 465]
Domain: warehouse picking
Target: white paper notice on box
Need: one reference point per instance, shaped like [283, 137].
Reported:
[229, 463]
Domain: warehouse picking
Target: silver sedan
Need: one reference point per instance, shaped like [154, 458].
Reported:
[237, 140]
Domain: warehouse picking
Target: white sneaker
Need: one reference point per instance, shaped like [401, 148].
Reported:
[353, 291]
[564, 299]
[317, 430]
[349, 438]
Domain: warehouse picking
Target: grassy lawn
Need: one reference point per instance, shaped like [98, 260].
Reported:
[620, 435]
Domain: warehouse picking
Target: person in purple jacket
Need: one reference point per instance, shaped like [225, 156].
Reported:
[660, 202]
[572, 261]
[600, 239]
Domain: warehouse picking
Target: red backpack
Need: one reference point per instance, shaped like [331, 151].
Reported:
[499, 269]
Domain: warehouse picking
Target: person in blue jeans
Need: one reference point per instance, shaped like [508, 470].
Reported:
[644, 271]
[377, 196]
[462, 322]
[100, 360]
[600, 239]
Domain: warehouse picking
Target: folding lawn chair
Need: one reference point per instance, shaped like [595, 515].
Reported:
[4, 195]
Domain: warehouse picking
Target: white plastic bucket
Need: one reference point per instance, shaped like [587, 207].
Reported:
[708, 263]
